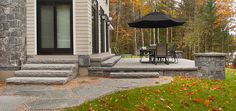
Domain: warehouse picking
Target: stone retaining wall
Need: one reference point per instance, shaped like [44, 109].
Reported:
[12, 33]
[211, 65]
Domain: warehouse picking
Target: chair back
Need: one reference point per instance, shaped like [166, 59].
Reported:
[173, 49]
[161, 50]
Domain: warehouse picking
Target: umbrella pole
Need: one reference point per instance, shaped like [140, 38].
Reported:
[158, 35]
[167, 35]
[150, 37]
[154, 36]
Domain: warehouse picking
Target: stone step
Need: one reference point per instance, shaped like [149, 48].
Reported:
[43, 73]
[140, 69]
[37, 80]
[111, 62]
[48, 66]
[134, 74]
[52, 60]
[101, 57]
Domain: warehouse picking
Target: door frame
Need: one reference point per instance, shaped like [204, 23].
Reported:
[55, 50]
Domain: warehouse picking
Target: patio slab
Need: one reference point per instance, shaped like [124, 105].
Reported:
[135, 63]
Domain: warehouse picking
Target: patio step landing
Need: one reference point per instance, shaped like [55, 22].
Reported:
[104, 60]
[46, 70]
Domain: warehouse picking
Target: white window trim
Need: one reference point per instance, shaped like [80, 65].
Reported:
[74, 33]
[35, 27]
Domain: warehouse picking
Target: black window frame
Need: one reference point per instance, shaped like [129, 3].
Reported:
[102, 31]
[55, 50]
[107, 36]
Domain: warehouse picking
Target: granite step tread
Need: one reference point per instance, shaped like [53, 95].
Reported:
[134, 74]
[47, 66]
[111, 62]
[101, 57]
[52, 60]
[43, 73]
[37, 80]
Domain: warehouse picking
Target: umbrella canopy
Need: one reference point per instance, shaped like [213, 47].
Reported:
[156, 20]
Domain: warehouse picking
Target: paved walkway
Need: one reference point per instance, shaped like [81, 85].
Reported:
[76, 92]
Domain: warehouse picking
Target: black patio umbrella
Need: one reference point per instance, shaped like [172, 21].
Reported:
[156, 20]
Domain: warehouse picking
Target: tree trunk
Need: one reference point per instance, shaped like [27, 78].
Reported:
[142, 37]
[135, 32]
[118, 20]
[150, 36]
[140, 9]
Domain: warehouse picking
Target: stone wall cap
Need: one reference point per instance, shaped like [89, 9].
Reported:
[211, 54]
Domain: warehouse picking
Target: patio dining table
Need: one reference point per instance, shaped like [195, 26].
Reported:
[152, 54]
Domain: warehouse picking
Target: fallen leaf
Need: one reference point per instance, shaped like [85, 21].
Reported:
[157, 91]
[207, 102]
[217, 109]
[212, 98]
[198, 100]
[184, 103]
[184, 89]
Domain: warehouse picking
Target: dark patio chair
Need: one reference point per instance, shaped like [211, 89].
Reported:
[161, 53]
[172, 54]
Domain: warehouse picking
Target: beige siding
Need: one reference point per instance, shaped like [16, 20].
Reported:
[83, 27]
[30, 34]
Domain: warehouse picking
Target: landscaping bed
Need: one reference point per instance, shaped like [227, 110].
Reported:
[2, 86]
[182, 93]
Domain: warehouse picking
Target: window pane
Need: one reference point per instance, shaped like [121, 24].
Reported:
[63, 26]
[47, 27]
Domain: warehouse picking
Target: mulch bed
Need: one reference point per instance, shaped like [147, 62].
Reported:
[231, 66]
[2, 86]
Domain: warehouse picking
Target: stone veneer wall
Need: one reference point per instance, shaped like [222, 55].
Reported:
[211, 65]
[12, 33]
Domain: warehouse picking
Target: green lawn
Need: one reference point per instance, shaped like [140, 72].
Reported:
[183, 94]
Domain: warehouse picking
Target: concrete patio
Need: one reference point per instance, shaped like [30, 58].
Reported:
[135, 63]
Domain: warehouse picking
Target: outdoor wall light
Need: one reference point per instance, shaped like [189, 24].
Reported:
[104, 17]
[94, 3]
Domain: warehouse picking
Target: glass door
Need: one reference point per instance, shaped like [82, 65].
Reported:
[54, 27]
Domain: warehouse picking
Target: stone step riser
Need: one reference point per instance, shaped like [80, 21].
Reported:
[134, 75]
[108, 71]
[37, 80]
[42, 73]
[51, 62]
[47, 67]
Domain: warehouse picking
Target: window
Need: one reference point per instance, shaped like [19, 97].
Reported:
[95, 40]
[54, 24]
[102, 23]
